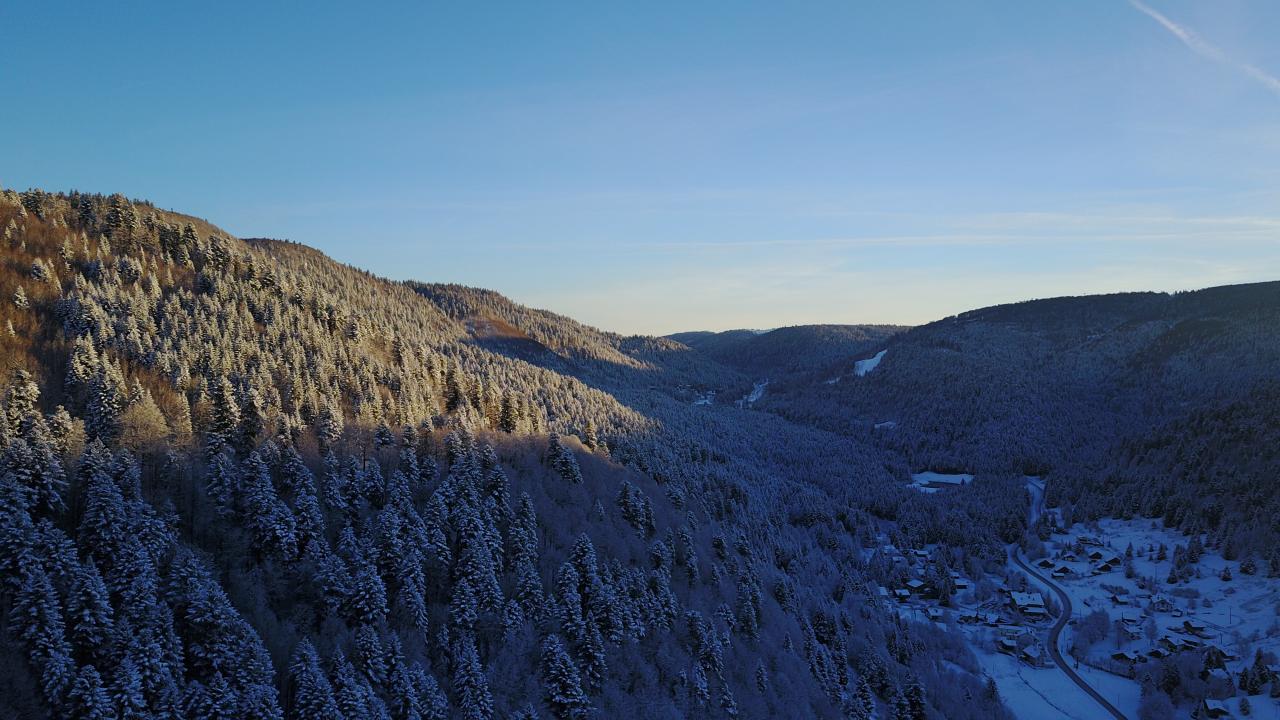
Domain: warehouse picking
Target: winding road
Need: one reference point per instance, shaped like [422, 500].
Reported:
[1056, 632]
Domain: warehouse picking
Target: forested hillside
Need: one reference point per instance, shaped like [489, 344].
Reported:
[243, 481]
[1140, 404]
[788, 350]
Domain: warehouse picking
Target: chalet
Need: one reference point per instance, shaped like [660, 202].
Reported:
[915, 585]
[1007, 645]
[935, 614]
[1045, 563]
[894, 555]
[1089, 540]
[902, 594]
[1127, 657]
[1029, 604]
[967, 617]
[1161, 603]
[1119, 599]
[1096, 556]
[1158, 653]
[1178, 644]
[1213, 710]
[1220, 675]
[1032, 656]
[991, 619]
[1061, 571]
[922, 554]
[1114, 561]
[1216, 657]
[1194, 627]
[1069, 556]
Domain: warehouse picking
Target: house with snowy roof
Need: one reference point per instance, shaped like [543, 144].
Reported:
[1126, 656]
[1214, 709]
[1194, 627]
[1029, 604]
[1032, 655]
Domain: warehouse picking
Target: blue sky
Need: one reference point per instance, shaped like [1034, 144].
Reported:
[654, 167]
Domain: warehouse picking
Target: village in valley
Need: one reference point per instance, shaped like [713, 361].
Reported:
[1147, 605]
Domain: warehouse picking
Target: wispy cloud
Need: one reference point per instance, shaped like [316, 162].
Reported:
[1208, 50]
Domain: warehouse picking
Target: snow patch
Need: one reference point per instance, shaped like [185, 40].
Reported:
[862, 367]
[931, 482]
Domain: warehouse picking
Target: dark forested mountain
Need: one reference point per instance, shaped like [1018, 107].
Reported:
[243, 481]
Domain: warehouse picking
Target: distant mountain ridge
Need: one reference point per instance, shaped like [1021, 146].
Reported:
[788, 350]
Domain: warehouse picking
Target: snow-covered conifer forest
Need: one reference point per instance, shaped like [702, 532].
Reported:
[241, 480]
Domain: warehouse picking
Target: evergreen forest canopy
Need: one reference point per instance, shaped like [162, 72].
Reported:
[244, 481]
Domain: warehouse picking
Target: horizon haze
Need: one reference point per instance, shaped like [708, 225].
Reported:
[652, 170]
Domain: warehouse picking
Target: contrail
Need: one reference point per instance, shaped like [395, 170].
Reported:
[1205, 49]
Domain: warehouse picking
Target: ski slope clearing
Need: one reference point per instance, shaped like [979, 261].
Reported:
[757, 392]
[862, 367]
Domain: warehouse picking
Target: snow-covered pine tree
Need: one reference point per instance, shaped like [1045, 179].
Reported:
[312, 696]
[561, 682]
[470, 684]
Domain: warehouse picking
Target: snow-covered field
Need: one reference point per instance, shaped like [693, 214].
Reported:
[1044, 693]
